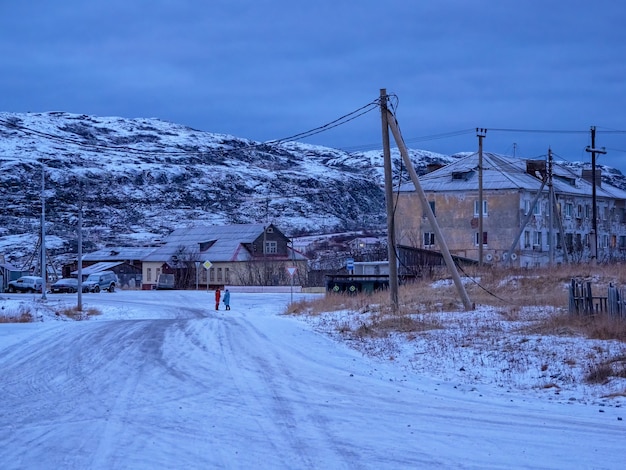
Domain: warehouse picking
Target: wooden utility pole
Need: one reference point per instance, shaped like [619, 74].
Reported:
[594, 205]
[429, 212]
[391, 230]
[480, 133]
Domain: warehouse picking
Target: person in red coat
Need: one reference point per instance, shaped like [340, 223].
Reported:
[217, 298]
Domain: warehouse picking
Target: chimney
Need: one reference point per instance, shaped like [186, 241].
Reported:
[430, 167]
[588, 176]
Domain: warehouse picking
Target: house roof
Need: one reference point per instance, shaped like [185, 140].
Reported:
[506, 173]
[223, 243]
[9, 267]
[98, 267]
[119, 253]
[370, 240]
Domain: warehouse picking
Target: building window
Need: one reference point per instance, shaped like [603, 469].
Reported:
[271, 247]
[604, 241]
[476, 204]
[477, 238]
[526, 239]
[587, 211]
[212, 274]
[537, 240]
[149, 275]
[579, 211]
[219, 274]
[227, 275]
[432, 206]
[569, 242]
[622, 242]
[429, 238]
[569, 209]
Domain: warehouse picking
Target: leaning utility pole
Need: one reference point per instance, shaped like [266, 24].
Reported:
[480, 133]
[429, 212]
[391, 235]
[594, 206]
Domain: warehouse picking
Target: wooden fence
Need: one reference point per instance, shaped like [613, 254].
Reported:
[582, 301]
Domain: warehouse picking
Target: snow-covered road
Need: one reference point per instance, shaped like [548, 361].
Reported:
[162, 381]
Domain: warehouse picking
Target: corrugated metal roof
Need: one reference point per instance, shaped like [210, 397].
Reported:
[506, 173]
[227, 242]
[99, 267]
[119, 253]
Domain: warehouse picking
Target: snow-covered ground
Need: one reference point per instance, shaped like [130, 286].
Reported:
[161, 380]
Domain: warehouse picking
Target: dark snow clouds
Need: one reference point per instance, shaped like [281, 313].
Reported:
[266, 70]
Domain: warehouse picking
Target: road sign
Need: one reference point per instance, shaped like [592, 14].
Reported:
[350, 264]
[292, 270]
[207, 264]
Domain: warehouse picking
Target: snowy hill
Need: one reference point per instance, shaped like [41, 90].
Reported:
[139, 179]
[142, 178]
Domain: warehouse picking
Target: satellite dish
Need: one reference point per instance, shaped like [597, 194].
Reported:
[513, 256]
[489, 257]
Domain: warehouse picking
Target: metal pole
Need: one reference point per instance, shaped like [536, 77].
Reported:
[44, 271]
[550, 211]
[481, 134]
[391, 236]
[80, 251]
[197, 263]
[293, 262]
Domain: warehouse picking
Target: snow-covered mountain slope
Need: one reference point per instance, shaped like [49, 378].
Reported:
[141, 178]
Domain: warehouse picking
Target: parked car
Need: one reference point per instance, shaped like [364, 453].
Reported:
[104, 280]
[26, 284]
[165, 281]
[68, 284]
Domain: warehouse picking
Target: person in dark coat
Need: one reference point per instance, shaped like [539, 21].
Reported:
[227, 299]
[217, 298]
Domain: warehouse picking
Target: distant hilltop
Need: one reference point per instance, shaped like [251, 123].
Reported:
[139, 179]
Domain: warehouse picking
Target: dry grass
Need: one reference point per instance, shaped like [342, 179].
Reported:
[507, 290]
[23, 315]
[603, 372]
[526, 314]
[78, 315]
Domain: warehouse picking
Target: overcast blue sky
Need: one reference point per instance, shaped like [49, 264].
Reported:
[263, 70]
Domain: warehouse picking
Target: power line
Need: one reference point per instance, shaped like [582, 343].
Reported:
[539, 131]
[337, 122]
